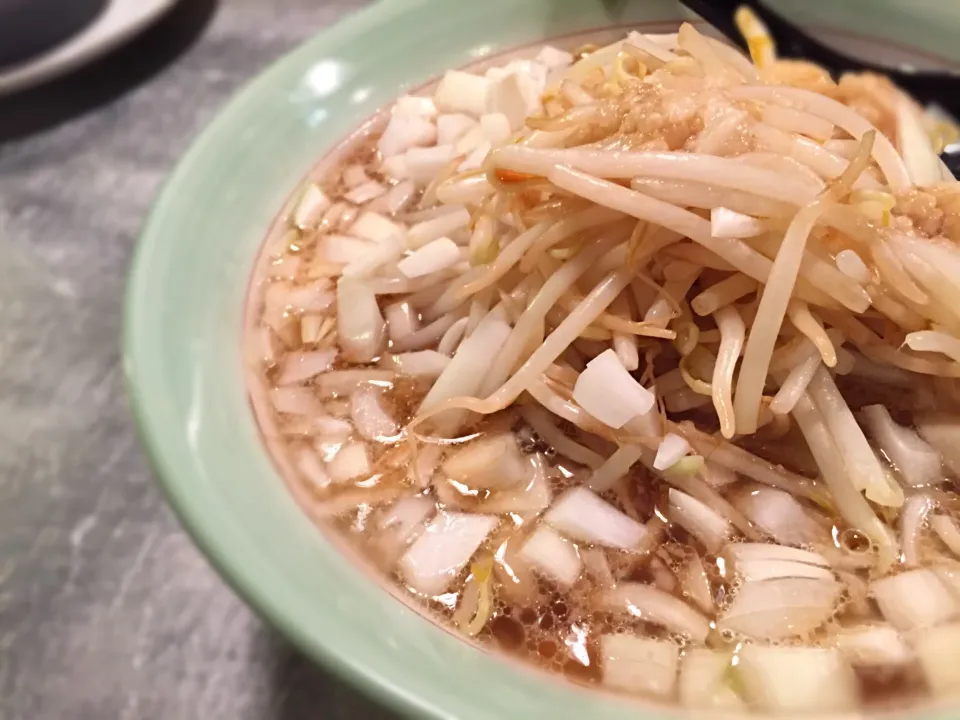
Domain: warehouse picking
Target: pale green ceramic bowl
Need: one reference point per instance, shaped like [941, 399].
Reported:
[183, 325]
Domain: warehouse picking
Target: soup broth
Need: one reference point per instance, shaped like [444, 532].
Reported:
[639, 363]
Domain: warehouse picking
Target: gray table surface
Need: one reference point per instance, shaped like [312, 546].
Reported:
[106, 608]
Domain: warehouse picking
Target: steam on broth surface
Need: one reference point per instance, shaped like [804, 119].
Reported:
[640, 364]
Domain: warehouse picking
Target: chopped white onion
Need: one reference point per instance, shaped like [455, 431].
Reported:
[436, 558]
[344, 249]
[639, 665]
[374, 226]
[398, 198]
[553, 556]
[313, 298]
[452, 126]
[470, 140]
[779, 515]
[922, 162]
[365, 192]
[490, 462]
[461, 92]
[476, 157]
[672, 449]
[496, 128]
[914, 599]
[311, 468]
[405, 131]
[655, 606]
[534, 498]
[717, 476]
[872, 645]
[796, 679]
[553, 57]
[609, 393]
[369, 417]
[512, 96]
[435, 228]
[424, 163]
[943, 433]
[436, 255]
[726, 223]
[703, 680]
[696, 584]
[581, 515]
[918, 463]
[350, 462]
[421, 363]
[782, 608]
[937, 651]
[360, 326]
[395, 167]
[295, 401]
[472, 189]
[698, 519]
[414, 105]
[742, 552]
[310, 209]
[757, 570]
[402, 320]
[299, 366]
[387, 251]
[406, 515]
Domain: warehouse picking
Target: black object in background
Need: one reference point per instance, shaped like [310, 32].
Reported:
[30, 28]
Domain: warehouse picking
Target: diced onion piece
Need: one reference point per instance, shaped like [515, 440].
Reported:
[395, 167]
[553, 556]
[943, 433]
[435, 228]
[471, 189]
[360, 326]
[452, 126]
[422, 363]
[414, 105]
[782, 608]
[369, 417]
[717, 476]
[796, 679]
[404, 132]
[937, 650]
[374, 226]
[469, 142]
[872, 646]
[365, 192]
[740, 552]
[918, 463]
[491, 462]
[726, 223]
[312, 298]
[424, 163]
[399, 197]
[476, 157]
[461, 92]
[757, 570]
[513, 98]
[779, 515]
[432, 257]
[946, 529]
[609, 393]
[344, 249]
[496, 128]
[436, 558]
[300, 366]
[914, 599]
[639, 665]
[581, 515]
[295, 401]
[703, 680]
[402, 320]
[696, 584]
[672, 449]
[350, 462]
[535, 497]
[699, 519]
[387, 251]
[310, 209]
[406, 515]
[311, 468]
[655, 606]
[553, 57]
[850, 264]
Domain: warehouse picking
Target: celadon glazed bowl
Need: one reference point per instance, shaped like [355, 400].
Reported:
[184, 315]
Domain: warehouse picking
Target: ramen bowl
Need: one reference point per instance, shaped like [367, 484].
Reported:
[184, 320]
